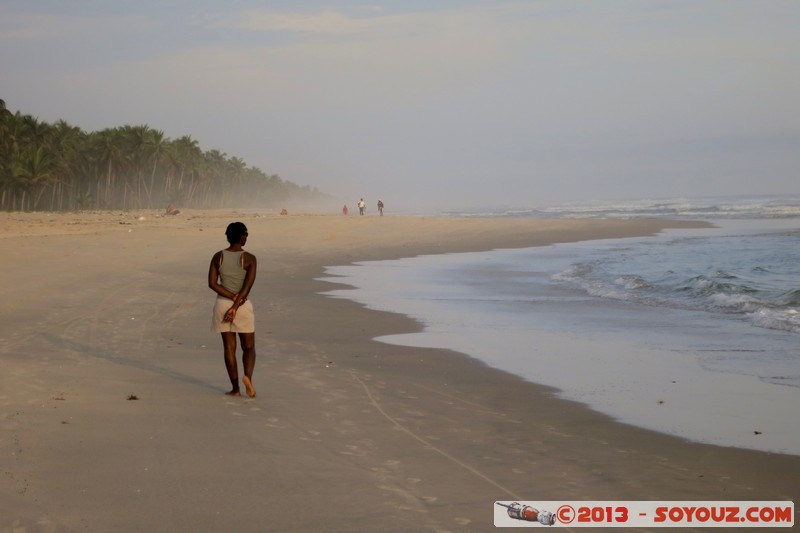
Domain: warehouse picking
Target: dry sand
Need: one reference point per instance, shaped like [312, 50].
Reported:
[113, 417]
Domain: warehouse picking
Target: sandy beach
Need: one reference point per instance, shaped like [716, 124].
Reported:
[113, 415]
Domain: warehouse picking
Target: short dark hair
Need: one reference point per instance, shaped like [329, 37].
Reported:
[235, 232]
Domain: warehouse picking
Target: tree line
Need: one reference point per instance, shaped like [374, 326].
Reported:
[60, 167]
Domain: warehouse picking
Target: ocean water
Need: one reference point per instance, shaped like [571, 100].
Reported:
[694, 333]
[716, 208]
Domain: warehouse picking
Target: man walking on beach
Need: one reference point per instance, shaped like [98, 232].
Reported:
[231, 275]
[361, 206]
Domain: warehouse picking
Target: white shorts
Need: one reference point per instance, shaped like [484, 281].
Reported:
[244, 322]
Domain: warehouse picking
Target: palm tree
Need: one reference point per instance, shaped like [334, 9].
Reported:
[65, 144]
[5, 152]
[122, 167]
[234, 177]
[135, 140]
[5, 114]
[108, 154]
[17, 137]
[31, 170]
[213, 177]
[187, 158]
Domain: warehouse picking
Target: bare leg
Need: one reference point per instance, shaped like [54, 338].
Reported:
[229, 346]
[248, 361]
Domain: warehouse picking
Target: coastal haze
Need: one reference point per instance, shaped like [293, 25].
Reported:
[440, 105]
[589, 174]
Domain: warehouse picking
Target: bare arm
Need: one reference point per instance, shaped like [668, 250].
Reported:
[249, 264]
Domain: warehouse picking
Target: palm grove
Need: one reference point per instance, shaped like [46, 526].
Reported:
[54, 167]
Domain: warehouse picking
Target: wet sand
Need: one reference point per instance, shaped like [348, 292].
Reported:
[113, 414]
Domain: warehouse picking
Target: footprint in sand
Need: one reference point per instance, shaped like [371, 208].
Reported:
[353, 449]
[314, 433]
[272, 422]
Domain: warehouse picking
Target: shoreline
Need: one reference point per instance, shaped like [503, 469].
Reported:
[384, 437]
[641, 365]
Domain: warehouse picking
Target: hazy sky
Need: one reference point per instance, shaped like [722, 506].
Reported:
[435, 103]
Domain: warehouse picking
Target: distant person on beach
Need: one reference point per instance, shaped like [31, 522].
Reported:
[344, 209]
[231, 275]
[172, 211]
[361, 206]
[380, 207]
